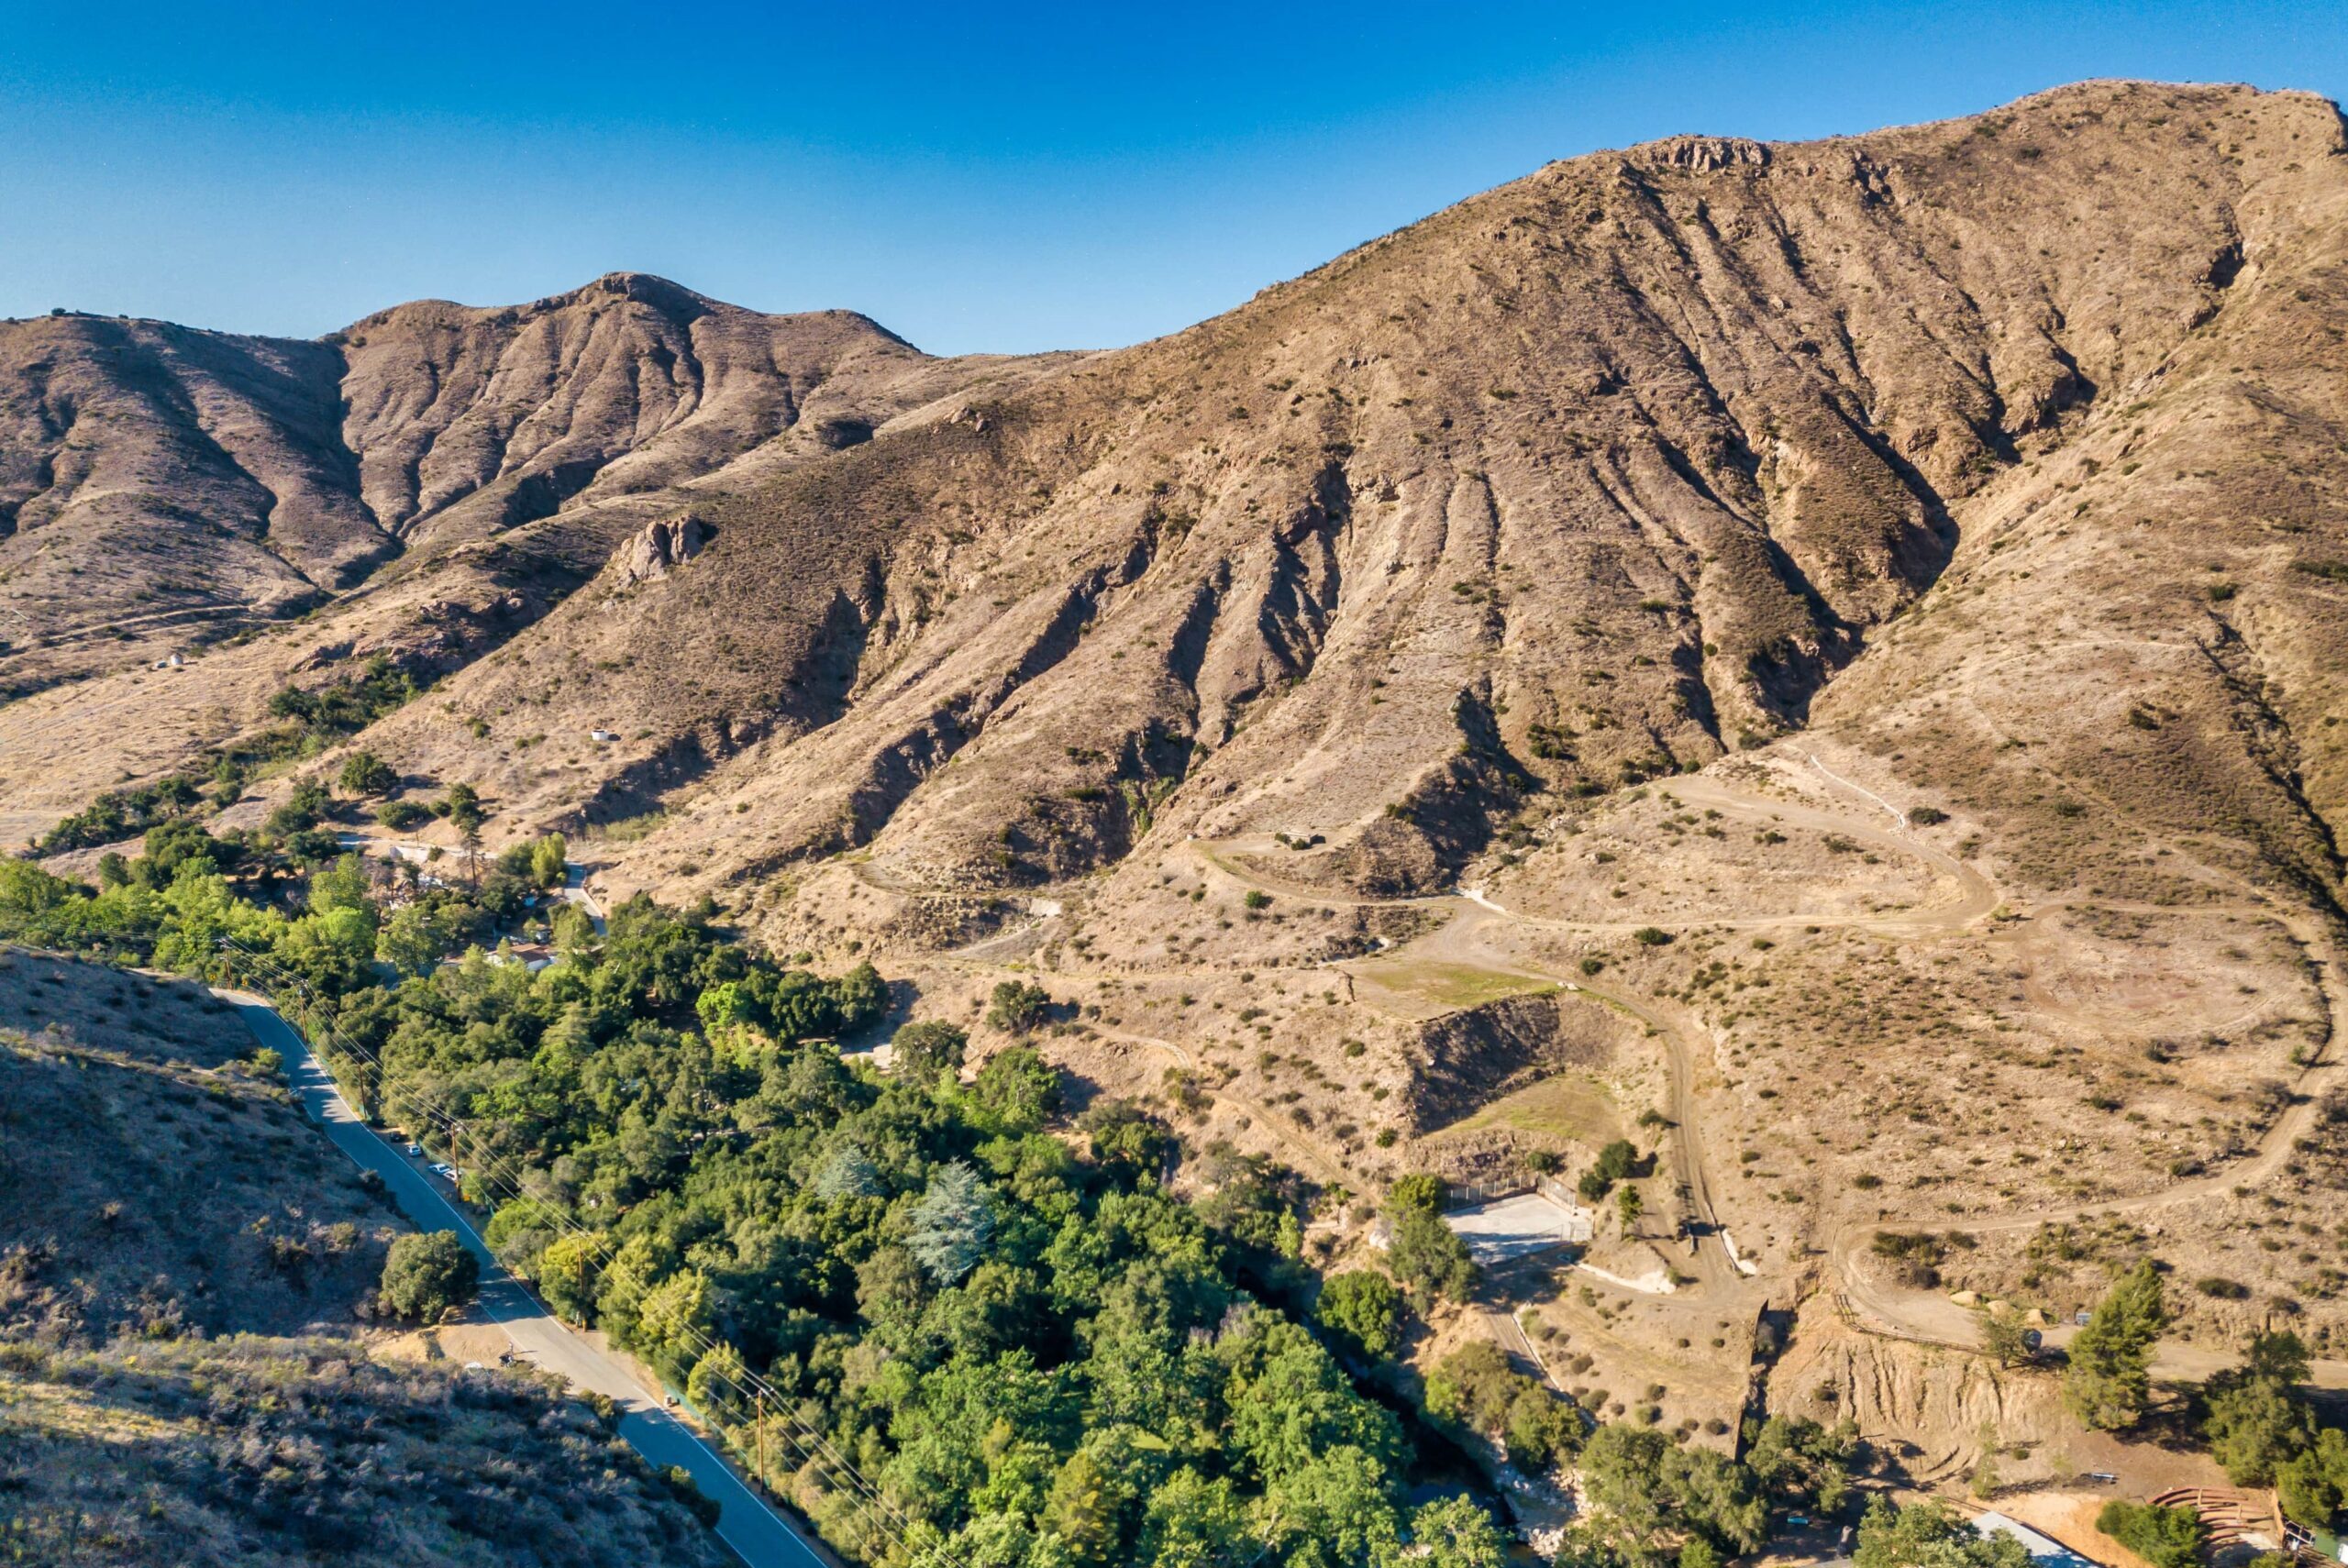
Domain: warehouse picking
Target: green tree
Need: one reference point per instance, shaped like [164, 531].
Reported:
[550, 861]
[1290, 1401]
[2166, 1538]
[2109, 1383]
[1432, 1261]
[1082, 1508]
[427, 1276]
[2279, 1354]
[467, 816]
[1632, 1205]
[951, 1223]
[1541, 1429]
[574, 929]
[1017, 1007]
[1456, 1534]
[2313, 1485]
[1616, 1162]
[1017, 1091]
[2257, 1425]
[364, 773]
[414, 939]
[1421, 1192]
[2003, 1338]
[1365, 1308]
[462, 807]
[1336, 1511]
[566, 1274]
[927, 1051]
[717, 1387]
[1929, 1535]
[1190, 1522]
[673, 1324]
[849, 1173]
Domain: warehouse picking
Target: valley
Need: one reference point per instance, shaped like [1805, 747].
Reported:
[993, 913]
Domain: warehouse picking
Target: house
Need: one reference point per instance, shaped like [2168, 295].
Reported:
[603, 736]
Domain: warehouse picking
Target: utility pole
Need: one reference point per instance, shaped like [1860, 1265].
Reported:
[763, 1443]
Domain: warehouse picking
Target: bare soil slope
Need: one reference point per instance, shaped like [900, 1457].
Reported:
[166, 1224]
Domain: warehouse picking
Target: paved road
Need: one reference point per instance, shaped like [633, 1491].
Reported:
[762, 1537]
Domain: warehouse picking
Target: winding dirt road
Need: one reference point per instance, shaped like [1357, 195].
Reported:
[1467, 940]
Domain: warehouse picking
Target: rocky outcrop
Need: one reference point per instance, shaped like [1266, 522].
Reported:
[1477, 1053]
[660, 548]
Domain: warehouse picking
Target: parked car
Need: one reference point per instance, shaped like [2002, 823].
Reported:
[416, 1151]
[446, 1173]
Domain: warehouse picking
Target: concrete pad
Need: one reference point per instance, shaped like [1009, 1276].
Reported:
[1511, 1228]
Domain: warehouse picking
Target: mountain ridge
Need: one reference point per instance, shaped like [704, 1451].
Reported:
[229, 480]
[1826, 658]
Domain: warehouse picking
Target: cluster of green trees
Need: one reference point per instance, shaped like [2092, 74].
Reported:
[1652, 1499]
[2256, 1418]
[2261, 1427]
[1929, 1535]
[306, 723]
[1426, 1255]
[1475, 1389]
[119, 814]
[1618, 1161]
[1034, 1353]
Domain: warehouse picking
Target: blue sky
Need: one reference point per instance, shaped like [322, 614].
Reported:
[975, 176]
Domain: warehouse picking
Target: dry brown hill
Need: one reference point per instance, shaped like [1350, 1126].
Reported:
[1592, 478]
[161, 484]
[167, 1225]
[1868, 612]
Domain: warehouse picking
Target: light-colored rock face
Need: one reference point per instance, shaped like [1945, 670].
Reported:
[669, 543]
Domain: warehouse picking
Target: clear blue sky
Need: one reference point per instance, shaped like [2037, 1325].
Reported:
[975, 176]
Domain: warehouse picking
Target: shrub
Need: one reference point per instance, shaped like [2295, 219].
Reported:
[364, 773]
[1651, 936]
[426, 1277]
[2166, 1538]
[1365, 1308]
[1017, 1007]
[688, 1491]
[1926, 816]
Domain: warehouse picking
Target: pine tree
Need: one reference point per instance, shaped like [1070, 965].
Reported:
[2110, 1382]
[952, 1223]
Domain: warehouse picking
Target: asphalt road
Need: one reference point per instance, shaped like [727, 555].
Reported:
[762, 1538]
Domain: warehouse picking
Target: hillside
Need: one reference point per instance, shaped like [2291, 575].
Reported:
[1823, 659]
[162, 486]
[181, 1374]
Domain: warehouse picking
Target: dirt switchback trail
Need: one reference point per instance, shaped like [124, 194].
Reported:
[1472, 939]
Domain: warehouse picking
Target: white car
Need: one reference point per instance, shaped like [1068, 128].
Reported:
[446, 1173]
[416, 1151]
